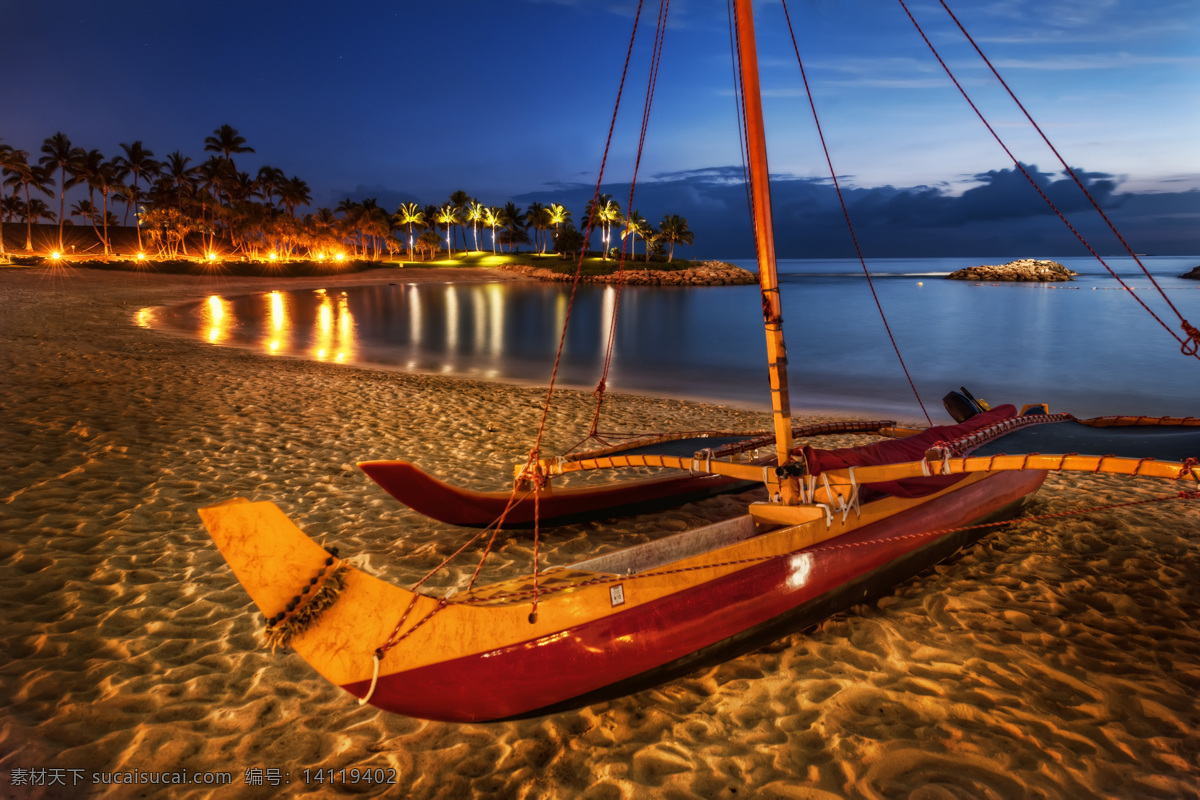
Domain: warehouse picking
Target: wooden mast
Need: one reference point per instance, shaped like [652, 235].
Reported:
[764, 234]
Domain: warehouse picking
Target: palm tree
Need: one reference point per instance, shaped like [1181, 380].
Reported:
[137, 161]
[178, 175]
[102, 175]
[602, 212]
[535, 217]
[58, 153]
[558, 215]
[493, 218]
[514, 225]
[9, 203]
[226, 141]
[459, 200]
[409, 214]
[19, 172]
[635, 225]
[475, 213]
[294, 192]
[674, 230]
[448, 215]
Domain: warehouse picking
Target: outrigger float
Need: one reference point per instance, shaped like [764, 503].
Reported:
[837, 525]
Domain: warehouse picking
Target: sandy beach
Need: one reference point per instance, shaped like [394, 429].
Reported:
[1053, 659]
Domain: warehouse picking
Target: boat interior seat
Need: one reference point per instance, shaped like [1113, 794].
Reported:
[670, 549]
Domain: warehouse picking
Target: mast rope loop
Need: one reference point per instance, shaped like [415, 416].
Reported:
[846, 213]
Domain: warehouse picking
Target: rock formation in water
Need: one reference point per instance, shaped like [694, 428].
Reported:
[1024, 269]
[1194, 275]
[703, 273]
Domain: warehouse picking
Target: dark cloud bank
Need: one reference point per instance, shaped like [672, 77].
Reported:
[1002, 216]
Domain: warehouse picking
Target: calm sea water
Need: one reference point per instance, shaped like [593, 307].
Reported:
[1085, 346]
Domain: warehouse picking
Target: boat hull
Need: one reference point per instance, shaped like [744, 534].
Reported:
[456, 506]
[619, 651]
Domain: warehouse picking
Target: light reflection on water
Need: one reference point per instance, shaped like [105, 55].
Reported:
[1078, 346]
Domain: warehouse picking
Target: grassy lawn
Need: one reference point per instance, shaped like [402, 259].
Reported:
[592, 266]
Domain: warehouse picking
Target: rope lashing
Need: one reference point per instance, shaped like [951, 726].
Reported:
[1191, 345]
[1188, 470]
[306, 607]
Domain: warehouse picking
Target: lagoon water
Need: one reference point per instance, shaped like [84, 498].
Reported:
[1084, 346]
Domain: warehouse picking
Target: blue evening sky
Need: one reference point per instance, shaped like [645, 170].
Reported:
[511, 100]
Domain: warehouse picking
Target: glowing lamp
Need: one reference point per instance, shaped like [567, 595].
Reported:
[273, 257]
[141, 256]
[340, 257]
[55, 256]
[212, 256]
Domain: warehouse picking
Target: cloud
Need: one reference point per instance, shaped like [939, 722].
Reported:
[1000, 215]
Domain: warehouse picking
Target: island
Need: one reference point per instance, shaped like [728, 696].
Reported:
[1023, 270]
[1194, 275]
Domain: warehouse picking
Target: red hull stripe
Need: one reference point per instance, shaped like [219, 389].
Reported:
[534, 674]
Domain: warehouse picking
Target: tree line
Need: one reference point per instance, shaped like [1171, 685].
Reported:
[175, 201]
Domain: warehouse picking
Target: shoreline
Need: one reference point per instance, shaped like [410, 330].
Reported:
[1057, 658]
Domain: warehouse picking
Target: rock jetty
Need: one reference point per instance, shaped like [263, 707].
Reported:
[1194, 275]
[702, 273]
[1024, 269]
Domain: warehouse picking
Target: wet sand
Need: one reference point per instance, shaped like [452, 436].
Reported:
[1055, 659]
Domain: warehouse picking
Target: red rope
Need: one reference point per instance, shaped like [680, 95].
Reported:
[846, 213]
[533, 455]
[652, 81]
[1188, 346]
[1193, 334]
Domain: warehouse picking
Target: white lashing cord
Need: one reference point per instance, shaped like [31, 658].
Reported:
[362, 701]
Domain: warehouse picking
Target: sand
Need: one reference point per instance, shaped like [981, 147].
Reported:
[1054, 659]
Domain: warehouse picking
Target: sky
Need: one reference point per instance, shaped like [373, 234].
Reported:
[406, 101]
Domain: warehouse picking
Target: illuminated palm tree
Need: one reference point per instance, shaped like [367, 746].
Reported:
[475, 214]
[635, 225]
[674, 230]
[409, 214]
[137, 161]
[558, 215]
[602, 212]
[492, 217]
[60, 155]
[448, 215]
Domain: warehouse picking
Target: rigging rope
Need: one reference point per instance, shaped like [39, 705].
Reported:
[735, 49]
[1189, 345]
[655, 60]
[846, 213]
